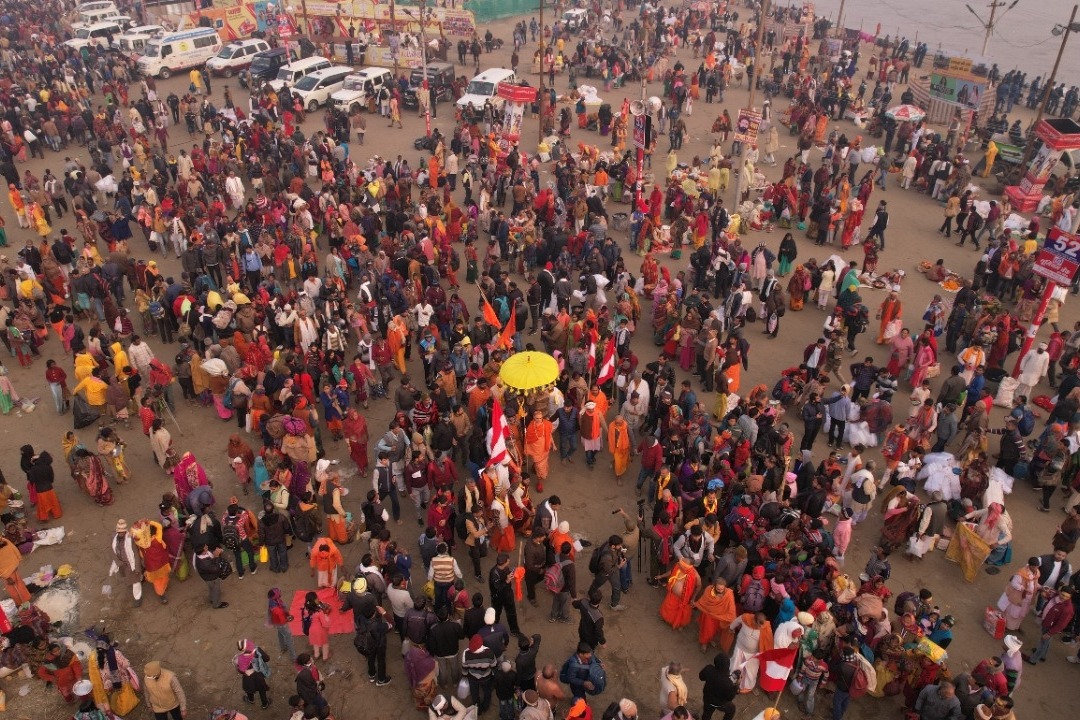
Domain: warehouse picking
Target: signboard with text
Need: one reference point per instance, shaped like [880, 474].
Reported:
[1059, 257]
[642, 131]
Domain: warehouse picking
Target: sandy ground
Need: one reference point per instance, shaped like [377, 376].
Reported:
[199, 643]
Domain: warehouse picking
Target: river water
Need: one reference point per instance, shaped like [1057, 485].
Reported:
[1021, 40]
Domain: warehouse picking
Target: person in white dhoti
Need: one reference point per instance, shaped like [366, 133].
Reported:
[753, 635]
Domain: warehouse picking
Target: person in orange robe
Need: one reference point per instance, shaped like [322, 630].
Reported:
[619, 445]
[501, 531]
[682, 584]
[397, 335]
[891, 309]
[539, 443]
[601, 400]
[717, 606]
[10, 557]
[62, 667]
[325, 562]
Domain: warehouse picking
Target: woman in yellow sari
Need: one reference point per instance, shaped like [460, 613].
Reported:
[619, 444]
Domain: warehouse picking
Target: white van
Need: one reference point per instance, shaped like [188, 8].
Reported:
[95, 12]
[235, 56]
[101, 34]
[360, 87]
[132, 42]
[315, 89]
[288, 75]
[485, 86]
[181, 50]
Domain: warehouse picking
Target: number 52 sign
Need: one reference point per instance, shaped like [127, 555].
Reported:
[1059, 258]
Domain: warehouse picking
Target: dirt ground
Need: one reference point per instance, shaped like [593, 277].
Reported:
[198, 643]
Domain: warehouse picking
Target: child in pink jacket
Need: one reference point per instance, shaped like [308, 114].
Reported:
[842, 534]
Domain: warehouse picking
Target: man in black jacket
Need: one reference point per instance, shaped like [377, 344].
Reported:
[371, 636]
[502, 592]
[591, 624]
[528, 648]
[720, 690]
[444, 643]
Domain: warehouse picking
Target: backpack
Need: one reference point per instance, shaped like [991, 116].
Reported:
[364, 641]
[554, 580]
[1026, 424]
[594, 560]
[598, 677]
[861, 682]
[753, 598]
[305, 526]
[294, 426]
[227, 399]
[230, 533]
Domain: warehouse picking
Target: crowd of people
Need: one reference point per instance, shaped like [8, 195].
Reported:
[308, 281]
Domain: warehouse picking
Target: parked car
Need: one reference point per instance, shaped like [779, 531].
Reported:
[235, 56]
[440, 77]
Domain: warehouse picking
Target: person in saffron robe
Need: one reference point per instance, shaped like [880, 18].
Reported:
[356, 435]
[890, 310]
[157, 562]
[754, 635]
[397, 335]
[591, 425]
[325, 562]
[619, 445]
[539, 442]
[682, 585]
[717, 606]
[501, 532]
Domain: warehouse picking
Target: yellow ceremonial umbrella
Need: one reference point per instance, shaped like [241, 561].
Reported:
[529, 371]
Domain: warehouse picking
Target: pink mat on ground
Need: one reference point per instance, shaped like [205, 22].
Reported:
[341, 623]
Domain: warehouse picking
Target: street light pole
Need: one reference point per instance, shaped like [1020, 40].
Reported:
[540, 95]
[1071, 27]
[758, 42]
[393, 31]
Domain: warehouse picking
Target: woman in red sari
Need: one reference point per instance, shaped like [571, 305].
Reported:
[682, 585]
[650, 273]
[852, 223]
[355, 430]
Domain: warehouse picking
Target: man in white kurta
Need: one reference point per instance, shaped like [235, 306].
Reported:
[1032, 369]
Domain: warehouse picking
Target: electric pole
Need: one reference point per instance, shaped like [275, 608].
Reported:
[988, 25]
[758, 42]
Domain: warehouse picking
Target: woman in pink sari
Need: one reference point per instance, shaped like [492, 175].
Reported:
[188, 475]
[925, 356]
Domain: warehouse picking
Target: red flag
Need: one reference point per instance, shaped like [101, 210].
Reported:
[592, 356]
[775, 667]
[607, 369]
[497, 443]
[490, 316]
[506, 337]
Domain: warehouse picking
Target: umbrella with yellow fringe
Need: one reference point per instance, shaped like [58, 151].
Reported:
[529, 372]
